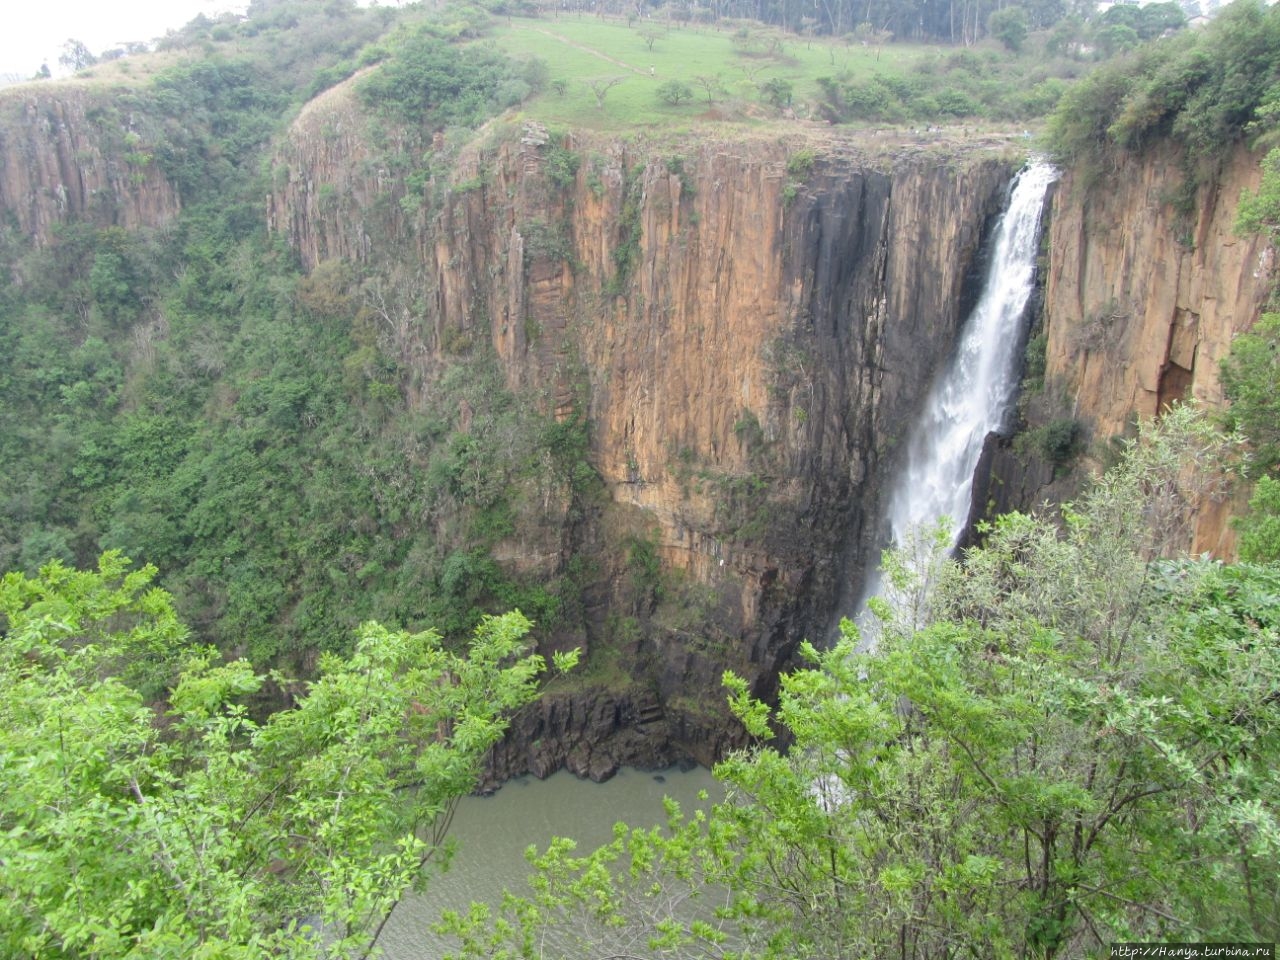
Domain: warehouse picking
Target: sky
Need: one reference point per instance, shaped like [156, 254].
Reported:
[34, 31]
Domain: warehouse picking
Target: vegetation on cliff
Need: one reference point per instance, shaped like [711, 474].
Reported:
[271, 441]
[1207, 89]
[1250, 374]
[187, 395]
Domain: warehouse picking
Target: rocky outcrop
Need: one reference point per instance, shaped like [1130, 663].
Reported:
[69, 152]
[747, 326]
[1142, 301]
[593, 732]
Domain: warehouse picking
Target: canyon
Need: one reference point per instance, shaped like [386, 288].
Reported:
[747, 322]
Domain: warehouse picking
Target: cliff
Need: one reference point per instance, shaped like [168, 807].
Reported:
[747, 326]
[69, 151]
[1142, 301]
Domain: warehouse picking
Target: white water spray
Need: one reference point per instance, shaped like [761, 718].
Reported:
[976, 393]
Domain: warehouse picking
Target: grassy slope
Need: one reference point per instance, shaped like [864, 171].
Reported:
[579, 49]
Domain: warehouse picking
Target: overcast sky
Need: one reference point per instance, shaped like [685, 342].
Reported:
[34, 31]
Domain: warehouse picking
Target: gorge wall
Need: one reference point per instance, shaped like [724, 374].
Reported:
[747, 325]
[1142, 301]
[68, 153]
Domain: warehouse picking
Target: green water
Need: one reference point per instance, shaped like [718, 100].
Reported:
[493, 832]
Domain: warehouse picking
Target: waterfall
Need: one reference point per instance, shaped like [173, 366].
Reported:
[976, 393]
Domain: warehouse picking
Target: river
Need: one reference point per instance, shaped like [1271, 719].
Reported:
[493, 832]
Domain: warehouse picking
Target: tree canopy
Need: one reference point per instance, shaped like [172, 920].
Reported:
[182, 827]
[1204, 88]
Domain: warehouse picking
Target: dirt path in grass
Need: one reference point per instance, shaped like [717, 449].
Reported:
[586, 49]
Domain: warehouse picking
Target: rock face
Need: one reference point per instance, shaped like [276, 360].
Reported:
[748, 327]
[68, 153]
[1142, 302]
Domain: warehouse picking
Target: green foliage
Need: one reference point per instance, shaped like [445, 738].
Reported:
[743, 511]
[546, 241]
[777, 92]
[217, 113]
[627, 249]
[800, 163]
[1260, 528]
[433, 82]
[186, 396]
[1260, 212]
[1250, 373]
[1203, 88]
[749, 433]
[1036, 361]
[940, 90]
[562, 165]
[1147, 22]
[1070, 743]
[201, 832]
[645, 566]
[1057, 441]
[76, 55]
[674, 92]
[1009, 26]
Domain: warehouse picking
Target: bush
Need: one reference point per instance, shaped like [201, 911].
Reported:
[1057, 441]
[777, 92]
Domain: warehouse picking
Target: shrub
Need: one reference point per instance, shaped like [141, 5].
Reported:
[1057, 441]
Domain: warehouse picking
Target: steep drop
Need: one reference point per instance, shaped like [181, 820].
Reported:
[975, 395]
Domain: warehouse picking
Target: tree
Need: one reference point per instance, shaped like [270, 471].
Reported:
[1115, 38]
[1009, 26]
[1066, 38]
[1158, 19]
[1250, 373]
[675, 92]
[76, 56]
[1077, 748]
[600, 86]
[650, 35]
[710, 86]
[132, 827]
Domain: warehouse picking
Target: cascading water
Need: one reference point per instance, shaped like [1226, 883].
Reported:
[976, 393]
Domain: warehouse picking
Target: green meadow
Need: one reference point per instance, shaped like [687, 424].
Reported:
[580, 50]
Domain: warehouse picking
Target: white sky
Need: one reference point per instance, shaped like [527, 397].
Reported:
[33, 31]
